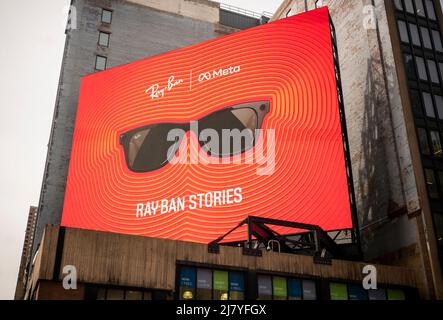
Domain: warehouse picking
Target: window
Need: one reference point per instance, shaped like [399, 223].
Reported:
[403, 31]
[398, 5]
[437, 40]
[436, 144]
[423, 141]
[104, 293]
[187, 283]
[208, 284]
[106, 16]
[420, 8]
[100, 63]
[357, 292]
[236, 286]
[410, 68]
[421, 68]
[101, 294]
[414, 35]
[279, 288]
[440, 66]
[115, 294]
[439, 104]
[431, 184]
[204, 284]
[338, 291]
[430, 10]
[416, 103]
[294, 289]
[282, 288]
[221, 285]
[309, 290]
[378, 294]
[342, 291]
[133, 295]
[103, 39]
[409, 6]
[432, 67]
[426, 37]
[264, 288]
[429, 105]
[396, 294]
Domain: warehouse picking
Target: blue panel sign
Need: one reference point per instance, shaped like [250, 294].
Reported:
[294, 289]
[187, 277]
[236, 281]
[357, 292]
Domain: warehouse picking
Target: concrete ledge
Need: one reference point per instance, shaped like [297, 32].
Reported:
[197, 9]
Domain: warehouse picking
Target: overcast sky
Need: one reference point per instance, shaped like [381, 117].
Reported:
[32, 34]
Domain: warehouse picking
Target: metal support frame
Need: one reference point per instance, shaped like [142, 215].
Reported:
[310, 240]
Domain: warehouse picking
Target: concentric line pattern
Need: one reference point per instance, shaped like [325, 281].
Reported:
[288, 62]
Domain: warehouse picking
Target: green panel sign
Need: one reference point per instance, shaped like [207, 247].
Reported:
[339, 291]
[396, 294]
[279, 285]
[221, 280]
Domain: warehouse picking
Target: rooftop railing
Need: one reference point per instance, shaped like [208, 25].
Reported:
[246, 12]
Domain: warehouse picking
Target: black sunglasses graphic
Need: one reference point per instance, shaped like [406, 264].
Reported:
[147, 148]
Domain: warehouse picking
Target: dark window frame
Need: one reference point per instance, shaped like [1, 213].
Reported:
[109, 39]
[111, 14]
[429, 124]
[96, 59]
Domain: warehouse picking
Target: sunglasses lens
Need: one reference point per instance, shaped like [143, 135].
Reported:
[247, 116]
[135, 143]
[148, 149]
[225, 133]
[235, 130]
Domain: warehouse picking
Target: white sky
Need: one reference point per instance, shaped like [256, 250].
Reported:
[32, 34]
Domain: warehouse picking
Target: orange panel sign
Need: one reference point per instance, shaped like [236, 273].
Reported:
[186, 144]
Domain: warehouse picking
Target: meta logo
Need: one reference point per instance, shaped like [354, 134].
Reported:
[205, 76]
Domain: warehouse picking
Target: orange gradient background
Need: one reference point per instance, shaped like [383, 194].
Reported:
[288, 62]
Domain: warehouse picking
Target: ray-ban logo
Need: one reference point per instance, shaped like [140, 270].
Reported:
[155, 91]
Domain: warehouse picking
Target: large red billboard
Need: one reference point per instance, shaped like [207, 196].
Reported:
[186, 144]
